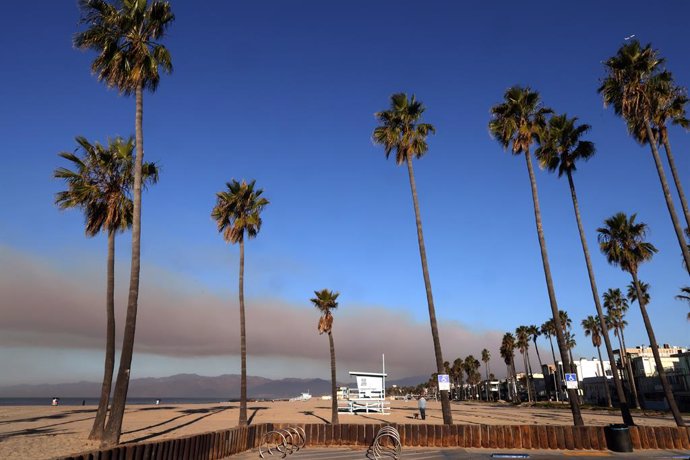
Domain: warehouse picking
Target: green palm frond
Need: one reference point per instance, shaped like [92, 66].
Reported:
[401, 129]
[592, 327]
[622, 241]
[326, 301]
[632, 292]
[561, 148]
[238, 210]
[101, 182]
[125, 35]
[519, 120]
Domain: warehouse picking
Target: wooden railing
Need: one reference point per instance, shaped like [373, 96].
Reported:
[220, 444]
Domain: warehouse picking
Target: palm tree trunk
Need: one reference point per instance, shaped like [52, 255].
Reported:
[243, 344]
[531, 377]
[99, 422]
[560, 339]
[606, 381]
[655, 351]
[486, 371]
[631, 376]
[445, 401]
[334, 391]
[667, 197]
[676, 179]
[541, 365]
[625, 410]
[516, 397]
[113, 429]
[529, 393]
[556, 374]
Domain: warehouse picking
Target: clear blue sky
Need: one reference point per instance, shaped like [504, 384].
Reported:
[285, 92]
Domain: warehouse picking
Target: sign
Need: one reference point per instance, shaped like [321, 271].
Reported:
[443, 382]
[571, 381]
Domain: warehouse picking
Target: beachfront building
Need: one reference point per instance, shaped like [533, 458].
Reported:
[675, 362]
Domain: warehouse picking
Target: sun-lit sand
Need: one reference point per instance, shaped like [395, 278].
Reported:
[31, 432]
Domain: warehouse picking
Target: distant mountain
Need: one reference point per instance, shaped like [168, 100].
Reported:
[192, 386]
[178, 386]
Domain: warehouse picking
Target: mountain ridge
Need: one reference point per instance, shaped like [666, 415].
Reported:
[225, 386]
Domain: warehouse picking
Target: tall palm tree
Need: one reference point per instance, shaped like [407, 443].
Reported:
[592, 327]
[633, 76]
[561, 149]
[327, 301]
[519, 120]
[522, 344]
[622, 240]
[507, 351]
[616, 305]
[549, 330]
[685, 295]
[534, 332]
[486, 357]
[401, 130]
[101, 185]
[127, 37]
[238, 213]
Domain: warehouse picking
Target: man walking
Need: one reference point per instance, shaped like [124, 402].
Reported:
[422, 407]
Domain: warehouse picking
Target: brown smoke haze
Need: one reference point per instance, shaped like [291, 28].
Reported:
[43, 307]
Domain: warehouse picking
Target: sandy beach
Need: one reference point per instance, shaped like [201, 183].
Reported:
[42, 432]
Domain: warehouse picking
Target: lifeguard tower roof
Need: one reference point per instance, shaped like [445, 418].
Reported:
[369, 374]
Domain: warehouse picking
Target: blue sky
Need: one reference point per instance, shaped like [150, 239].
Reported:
[284, 93]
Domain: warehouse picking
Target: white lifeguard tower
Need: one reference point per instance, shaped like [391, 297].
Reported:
[370, 395]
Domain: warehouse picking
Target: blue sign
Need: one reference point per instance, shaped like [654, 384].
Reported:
[571, 381]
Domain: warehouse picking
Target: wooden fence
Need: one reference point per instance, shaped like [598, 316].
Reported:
[220, 444]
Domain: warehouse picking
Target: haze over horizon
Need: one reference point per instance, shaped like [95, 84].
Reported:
[284, 93]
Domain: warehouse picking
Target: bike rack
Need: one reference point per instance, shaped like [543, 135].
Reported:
[387, 443]
[285, 441]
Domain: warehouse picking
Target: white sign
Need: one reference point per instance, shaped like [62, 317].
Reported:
[571, 381]
[443, 382]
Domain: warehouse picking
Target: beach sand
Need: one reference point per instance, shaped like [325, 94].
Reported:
[42, 432]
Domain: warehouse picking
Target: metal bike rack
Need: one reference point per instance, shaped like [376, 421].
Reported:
[284, 442]
[391, 448]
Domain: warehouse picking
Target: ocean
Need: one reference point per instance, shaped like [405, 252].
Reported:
[94, 401]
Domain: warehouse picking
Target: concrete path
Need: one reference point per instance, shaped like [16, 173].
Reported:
[446, 454]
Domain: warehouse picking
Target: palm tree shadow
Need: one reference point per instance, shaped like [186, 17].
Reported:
[251, 417]
[173, 428]
[309, 412]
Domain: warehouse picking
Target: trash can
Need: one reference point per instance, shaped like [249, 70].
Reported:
[618, 438]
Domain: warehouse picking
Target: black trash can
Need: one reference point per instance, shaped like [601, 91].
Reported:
[618, 438]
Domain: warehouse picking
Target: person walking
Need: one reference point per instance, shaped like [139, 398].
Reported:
[422, 407]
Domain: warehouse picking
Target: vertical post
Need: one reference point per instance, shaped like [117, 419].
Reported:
[383, 365]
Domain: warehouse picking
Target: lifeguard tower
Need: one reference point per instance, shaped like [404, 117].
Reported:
[370, 395]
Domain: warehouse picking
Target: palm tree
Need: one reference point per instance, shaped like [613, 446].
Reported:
[238, 213]
[616, 305]
[507, 351]
[327, 301]
[402, 131]
[549, 330]
[560, 150]
[684, 295]
[534, 332]
[126, 35]
[592, 327]
[632, 292]
[486, 357]
[633, 77]
[622, 240]
[522, 344]
[519, 121]
[456, 373]
[101, 185]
